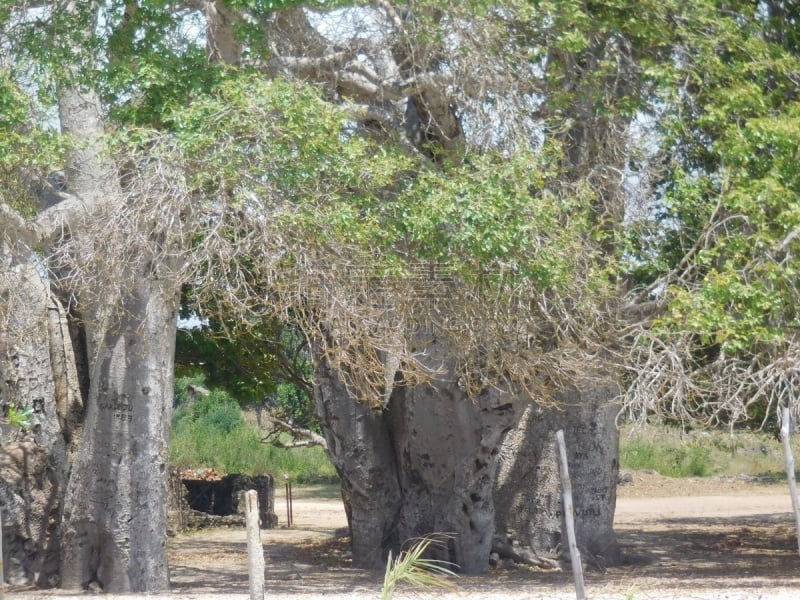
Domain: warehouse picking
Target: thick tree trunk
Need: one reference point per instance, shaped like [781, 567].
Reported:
[114, 513]
[424, 465]
[29, 495]
[113, 510]
[25, 359]
[32, 461]
[528, 490]
[446, 448]
[360, 447]
[114, 519]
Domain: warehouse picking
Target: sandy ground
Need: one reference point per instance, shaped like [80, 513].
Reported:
[689, 539]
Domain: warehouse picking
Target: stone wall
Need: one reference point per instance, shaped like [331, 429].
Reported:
[199, 503]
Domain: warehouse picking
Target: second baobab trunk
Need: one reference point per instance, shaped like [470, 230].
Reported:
[425, 464]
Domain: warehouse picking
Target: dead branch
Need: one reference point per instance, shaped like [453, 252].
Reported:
[523, 556]
[310, 438]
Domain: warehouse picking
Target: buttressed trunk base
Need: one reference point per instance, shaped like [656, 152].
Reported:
[423, 465]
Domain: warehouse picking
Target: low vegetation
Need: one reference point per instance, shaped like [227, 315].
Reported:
[412, 568]
[211, 431]
[675, 453]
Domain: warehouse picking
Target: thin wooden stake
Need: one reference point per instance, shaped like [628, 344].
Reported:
[786, 419]
[566, 491]
[255, 552]
[288, 489]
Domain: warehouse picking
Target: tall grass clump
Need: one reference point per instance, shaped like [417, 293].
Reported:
[698, 453]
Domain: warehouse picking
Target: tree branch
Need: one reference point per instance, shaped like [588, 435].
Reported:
[47, 225]
[790, 237]
[641, 312]
[391, 14]
[15, 227]
[307, 64]
[292, 445]
[53, 221]
[311, 437]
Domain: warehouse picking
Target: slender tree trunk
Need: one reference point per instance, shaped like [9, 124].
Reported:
[528, 492]
[114, 524]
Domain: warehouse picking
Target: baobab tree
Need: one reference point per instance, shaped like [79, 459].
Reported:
[460, 326]
[559, 89]
[461, 304]
[439, 197]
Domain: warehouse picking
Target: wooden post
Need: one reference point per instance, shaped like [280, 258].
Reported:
[255, 552]
[291, 506]
[786, 419]
[566, 491]
[288, 490]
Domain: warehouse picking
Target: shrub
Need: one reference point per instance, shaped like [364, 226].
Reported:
[673, 452]
[211, 432]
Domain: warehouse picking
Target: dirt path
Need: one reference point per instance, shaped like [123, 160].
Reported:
[695, 539]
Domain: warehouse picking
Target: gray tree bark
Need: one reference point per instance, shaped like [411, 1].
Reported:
[114, 513]
[446, 447]
[25, 358]
[114, 517]
[35, 374]
[528, 491]
[423, 465]
[360, 448]
[29, 494]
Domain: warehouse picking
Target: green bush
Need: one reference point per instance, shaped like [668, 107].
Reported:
[636, 454]
[217, 411]
[211, 432]
[691, 461]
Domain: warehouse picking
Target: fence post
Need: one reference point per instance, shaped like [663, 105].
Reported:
[566, 491]
[255, 552]
[288, 489]
[786, 419]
